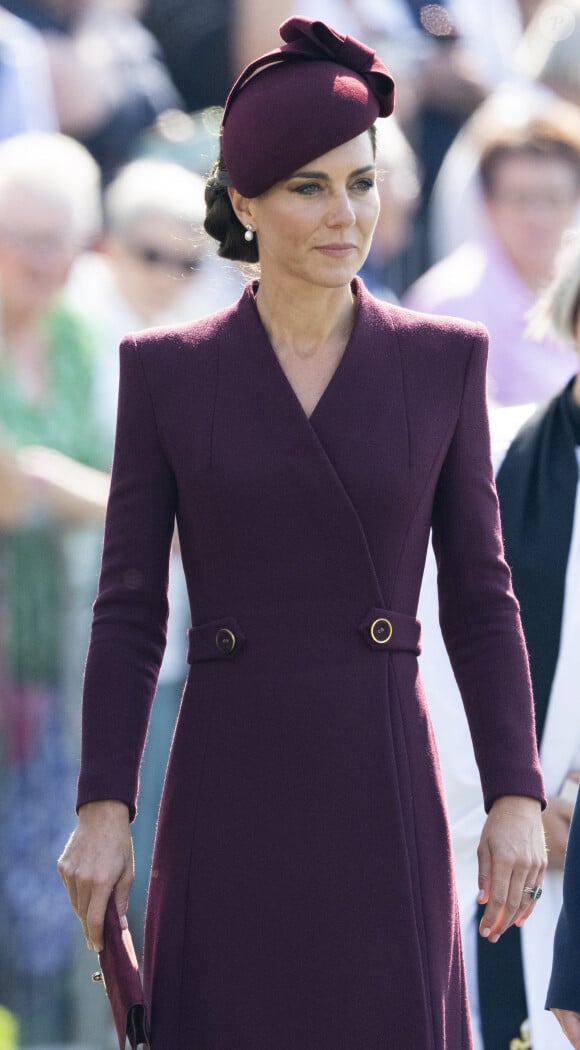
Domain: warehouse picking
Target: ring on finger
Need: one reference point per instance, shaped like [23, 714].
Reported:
[535, 892]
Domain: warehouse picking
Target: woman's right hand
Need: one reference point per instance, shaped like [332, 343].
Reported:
[97, 860]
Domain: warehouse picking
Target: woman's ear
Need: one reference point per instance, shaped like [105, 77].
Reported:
[242, 207]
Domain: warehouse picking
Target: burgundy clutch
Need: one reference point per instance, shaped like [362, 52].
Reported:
[120, 976]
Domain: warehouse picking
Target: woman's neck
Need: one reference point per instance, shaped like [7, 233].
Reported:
[303, 324]
[576, 388]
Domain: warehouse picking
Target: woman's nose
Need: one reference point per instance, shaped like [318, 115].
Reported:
[341, 211]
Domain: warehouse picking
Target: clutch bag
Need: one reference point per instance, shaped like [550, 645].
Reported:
[120, 976]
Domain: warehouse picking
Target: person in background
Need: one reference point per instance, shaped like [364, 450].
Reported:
[50, 455]
[26, 98]
[153, 267]
[537, 458]
[530, 183]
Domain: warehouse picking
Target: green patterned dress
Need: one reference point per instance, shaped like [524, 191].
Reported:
[37, 760]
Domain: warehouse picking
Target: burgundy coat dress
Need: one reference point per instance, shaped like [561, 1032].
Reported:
[301, 892]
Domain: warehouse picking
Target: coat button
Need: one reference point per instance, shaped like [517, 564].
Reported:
[381, 631]
[225, 641]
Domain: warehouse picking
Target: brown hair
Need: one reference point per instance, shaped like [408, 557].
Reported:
[221, 221]
[543, 137]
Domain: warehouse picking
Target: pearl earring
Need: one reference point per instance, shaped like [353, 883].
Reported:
[249, 234]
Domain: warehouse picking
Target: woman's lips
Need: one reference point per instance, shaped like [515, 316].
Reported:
[337, 250]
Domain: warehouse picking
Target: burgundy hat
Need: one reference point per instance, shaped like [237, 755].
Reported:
[305, 98]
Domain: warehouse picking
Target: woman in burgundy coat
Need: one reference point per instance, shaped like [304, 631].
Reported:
[305, 440]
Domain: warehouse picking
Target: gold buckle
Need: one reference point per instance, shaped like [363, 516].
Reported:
[229, 637]
[375, 624]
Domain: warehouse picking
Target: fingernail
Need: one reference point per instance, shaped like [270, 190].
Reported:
[486, 931]
[89, 946]
[481, 897]
[494, 939]
[123, 922]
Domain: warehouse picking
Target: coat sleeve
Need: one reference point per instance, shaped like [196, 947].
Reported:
[564, 987]
[130, 613]
[478, 611]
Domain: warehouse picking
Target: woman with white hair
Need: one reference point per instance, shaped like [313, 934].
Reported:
[49, 210]
[152, 266]
[49, 455]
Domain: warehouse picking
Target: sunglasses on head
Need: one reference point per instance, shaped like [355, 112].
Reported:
[182, 264]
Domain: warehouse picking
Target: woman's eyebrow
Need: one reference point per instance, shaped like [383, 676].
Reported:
[324, 174]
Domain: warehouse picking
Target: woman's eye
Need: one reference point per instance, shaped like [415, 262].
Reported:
[307, 189]
[364, 185]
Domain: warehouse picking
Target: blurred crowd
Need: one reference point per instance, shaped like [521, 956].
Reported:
[109, 111]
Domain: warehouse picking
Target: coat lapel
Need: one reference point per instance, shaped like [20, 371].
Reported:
[303, 455]
[362, 430]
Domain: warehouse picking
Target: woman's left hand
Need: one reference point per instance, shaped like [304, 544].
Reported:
[512, 857]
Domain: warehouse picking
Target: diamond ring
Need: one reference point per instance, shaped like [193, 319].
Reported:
[535, 892]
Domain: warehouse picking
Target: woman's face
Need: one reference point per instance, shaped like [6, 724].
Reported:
[532, 201]
[36, 249]
[316, 227]
[154, 262]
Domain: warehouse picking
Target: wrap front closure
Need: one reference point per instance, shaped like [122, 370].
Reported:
[309, 447]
